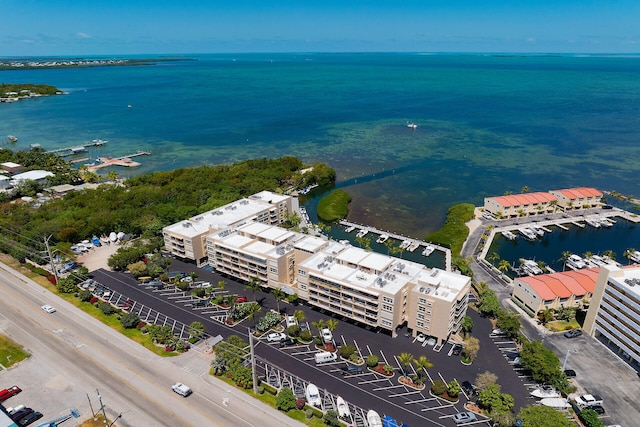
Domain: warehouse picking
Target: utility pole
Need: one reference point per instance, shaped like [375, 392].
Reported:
[566, 357]
[51, 260]
[254, 376]
[91, 406]
[104, 414]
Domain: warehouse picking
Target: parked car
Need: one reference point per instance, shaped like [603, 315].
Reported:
[181, 389]
[31, 418]
[17, 416]
[573, 333]
[421, 338]
[570, 373]
[588, 400]
[599, 409]
[276, 337]
[457, 350]
[287, 342]
[290, 320]
[9, 392]
[468, 388]
[464, 417]
[241, 299]
[352, 370]
[498, 332]
[49, 309]
[327, 336]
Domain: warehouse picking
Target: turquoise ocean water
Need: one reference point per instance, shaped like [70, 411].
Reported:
[486, 123]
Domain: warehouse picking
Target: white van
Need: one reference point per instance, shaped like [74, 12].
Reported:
[325, 356]
[181, 389]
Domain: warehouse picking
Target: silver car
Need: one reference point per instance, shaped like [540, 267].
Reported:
[464, 417]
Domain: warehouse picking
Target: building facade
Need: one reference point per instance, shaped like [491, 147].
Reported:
[577, 198]
[614, 313]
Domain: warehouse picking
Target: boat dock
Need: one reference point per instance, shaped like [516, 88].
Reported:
[125, 161]
[414, 243]
[76, 149]
[578, 224]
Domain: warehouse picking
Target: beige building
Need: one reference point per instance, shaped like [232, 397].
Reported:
[577, 198]
[614, 313]
[186, 239]
[242, 240]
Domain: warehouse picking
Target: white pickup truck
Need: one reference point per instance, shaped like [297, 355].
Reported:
[587, 400]
[181, 389]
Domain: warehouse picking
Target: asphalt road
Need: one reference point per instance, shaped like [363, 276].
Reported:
[86, 355]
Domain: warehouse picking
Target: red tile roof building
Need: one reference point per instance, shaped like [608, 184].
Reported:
[566, 289]
[577, 198]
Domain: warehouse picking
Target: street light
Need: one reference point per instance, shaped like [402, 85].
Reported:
[117, 418]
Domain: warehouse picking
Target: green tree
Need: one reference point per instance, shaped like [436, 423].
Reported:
[509, 322]
[471, 348]
[130, 320]
[492, 399]
[485, 379]
[279, 295]
[543, 416]
[252, 312]
[564, 257]
[319, 325]
[467, 325]
[422, 363]
[547, 315]
[299, 315]
[543, 363]
[372, 360]
[67, 285]
[453, 388]
[196, 329]
[503, 265]
[489, 303]
[590, 418]
[285, 400]
[405, 360]
[253, 285]
[346, 351]
[332, 324]
[331, 418]
[628, 254]
[493, 256]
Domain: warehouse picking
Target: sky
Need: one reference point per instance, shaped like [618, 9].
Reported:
[112, 27]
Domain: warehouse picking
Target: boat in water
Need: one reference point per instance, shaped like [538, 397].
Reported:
[529, 267]
[405, 244]
[362, 233]
[343, 408]
[592, 222]
[545, 392]
[383, 238]
[509, 235]
[412, 125]
[313, 396]
[350, 229]
[344, 242]
[528, 233]
[576, 262]
[374, 419]
[428, 250]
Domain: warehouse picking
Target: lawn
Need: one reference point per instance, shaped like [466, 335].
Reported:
[11, 352]
[562, 325]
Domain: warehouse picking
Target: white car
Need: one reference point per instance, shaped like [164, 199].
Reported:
[48, 308]
[276, 337]
[421, 338]
[181, 389]
[291, 321]
[327, 336]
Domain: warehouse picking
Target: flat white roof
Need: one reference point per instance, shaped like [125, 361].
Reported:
[236, 240]
[352, 255]
[627, 278]
[11, 165]
[441, 284]
[32, 175]
[261, 248]
[269, 197]
[310, 243]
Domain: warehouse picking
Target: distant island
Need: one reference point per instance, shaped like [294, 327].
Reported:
[10, 92]
[31, 63]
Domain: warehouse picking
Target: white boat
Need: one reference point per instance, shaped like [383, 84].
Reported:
[528, 233]
[413, 246]
[12, 139]
[537, 229]
[428, 250]
[383, 238]
[530, 267]
[113, 236]
[576, 262]
[362, 233]
[592, 222]
[405, 244]
[509, 235]
[350, 229]
[120, 235]
[635, 256]
[605, 222]
[545, 392]
[343, 408]
[373, 419]
[344, 242]
[556, 402]
[412, 125]
[313, 396]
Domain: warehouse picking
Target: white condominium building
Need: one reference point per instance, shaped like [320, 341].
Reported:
[186, 239]
[614, 313]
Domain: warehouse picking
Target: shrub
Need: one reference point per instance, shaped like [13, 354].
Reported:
[293, 330]
[106, 308]
[285, 400]
[141, 325]
[438, 387]
[331, 418]
[388, 369]
[372, 360]
[260, 389]
[308, 413]
[130, 320]
[347, 350]
[93, 300]
[85, 296]
[306, 336]
[300, 402]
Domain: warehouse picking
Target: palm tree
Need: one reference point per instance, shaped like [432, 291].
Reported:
[112, 175]
[299, 316]
[253, 285]
[193, 276]
[554, 203]
[389, 244]
[628, 254]
[422, 363]
[279, 295]
[332, 324]
[524, 189]
[221, 285]
[467, 325]
[493, 256]
[254, 309]
[319, 325]
[609, 254]
[405, 360]
[504, 265]
[565, 256]
[587, 254]
[546, 315]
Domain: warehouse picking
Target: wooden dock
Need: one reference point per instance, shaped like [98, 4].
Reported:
[77, 149]
[125, 161]
[413, 242]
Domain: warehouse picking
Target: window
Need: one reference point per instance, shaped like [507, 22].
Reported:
[422, 300]
[421, 308]
[387, 300]
[420, 324]
[273, 270]
[420, 316]
[302, 272]
[387, 307]
[385, 323]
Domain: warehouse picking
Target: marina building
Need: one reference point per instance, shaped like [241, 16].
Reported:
[566, 289]
[186, 239]
[540, 203]
[614, 313]
[367, 287]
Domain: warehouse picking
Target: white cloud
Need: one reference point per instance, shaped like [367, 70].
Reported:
[531, 40]
[82, 35]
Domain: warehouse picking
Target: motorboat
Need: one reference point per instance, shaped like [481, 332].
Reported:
[113, 236]
[388, 421]
[576, 262]
[412, 125]
[344, 242]
[383, 238]
[635, 256]
[605, 222]
[413, 246]
[374, 419]
[592, 222]
[530, 267]
[363, 232]
[313, 395]
[556, 402]
[545, 392]
[96, 241]
[405, 244]
[509, 235]
[121, 235]
[428, 250]
[528, 233]
[343, 408]
[350, 229]
[537, 229]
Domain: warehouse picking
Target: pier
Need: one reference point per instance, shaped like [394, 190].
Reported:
[125, 161]
[412, 242]
[77, 149]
